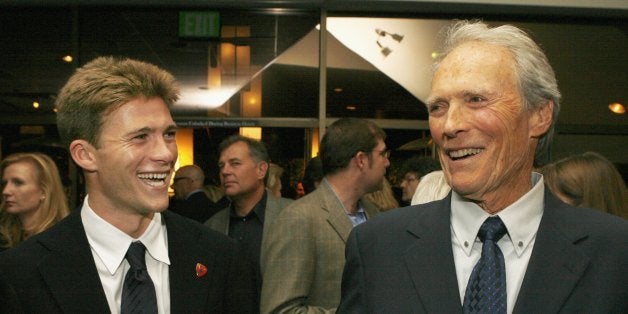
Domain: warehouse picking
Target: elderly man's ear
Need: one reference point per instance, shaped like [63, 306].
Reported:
[541, 119]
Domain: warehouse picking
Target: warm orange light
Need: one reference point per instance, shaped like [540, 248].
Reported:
[617, 108]
[67, 58]
[252, 132]
[35, 104]
[351, 107]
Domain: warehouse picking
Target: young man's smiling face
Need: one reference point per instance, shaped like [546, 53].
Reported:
[135, 157]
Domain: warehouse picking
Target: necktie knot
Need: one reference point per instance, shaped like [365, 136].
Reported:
[492, 229]
[136, 256]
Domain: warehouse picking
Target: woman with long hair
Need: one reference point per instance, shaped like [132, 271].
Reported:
[33, 198]
[588, 180]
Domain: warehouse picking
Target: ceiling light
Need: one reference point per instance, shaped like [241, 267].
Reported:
[338, 89]
[67, 58]
[617, 108]
[35, 104]
[351, 107]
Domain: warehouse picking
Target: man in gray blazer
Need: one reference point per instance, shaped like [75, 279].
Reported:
[303, 258]
[500, 242]
[243, 167]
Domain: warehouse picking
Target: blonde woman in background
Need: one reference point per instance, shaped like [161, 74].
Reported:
[588, 180]
[384, 198]
[273, 179]
[33, 198]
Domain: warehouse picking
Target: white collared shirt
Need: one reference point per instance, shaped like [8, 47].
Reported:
[109, 246]
[522, 219]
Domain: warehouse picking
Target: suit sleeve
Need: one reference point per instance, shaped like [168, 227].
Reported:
[352, 300]
[288, 265]
[8, 298]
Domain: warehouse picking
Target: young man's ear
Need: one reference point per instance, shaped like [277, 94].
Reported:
[541, 120]
[83, 154]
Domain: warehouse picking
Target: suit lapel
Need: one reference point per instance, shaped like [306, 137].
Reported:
[556, 263]
[184, 283]
[337, 217]
[430, 259]
[69, 269]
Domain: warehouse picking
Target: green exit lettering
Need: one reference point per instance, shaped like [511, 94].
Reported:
[199, 24]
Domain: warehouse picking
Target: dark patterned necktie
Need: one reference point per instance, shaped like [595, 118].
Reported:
[486, 290]
[138, 292]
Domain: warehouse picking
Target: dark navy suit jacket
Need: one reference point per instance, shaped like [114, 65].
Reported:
[54, 272]
[402, 262]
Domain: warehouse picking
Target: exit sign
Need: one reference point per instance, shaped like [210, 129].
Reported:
[195, 24]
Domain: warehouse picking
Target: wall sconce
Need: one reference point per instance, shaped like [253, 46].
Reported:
[385, 50]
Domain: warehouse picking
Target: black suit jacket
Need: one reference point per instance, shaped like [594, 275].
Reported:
[402, 262]
[54, 272]
[197, 207]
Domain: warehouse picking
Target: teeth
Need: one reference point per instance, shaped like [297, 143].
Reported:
[464, 152]
[153, 176]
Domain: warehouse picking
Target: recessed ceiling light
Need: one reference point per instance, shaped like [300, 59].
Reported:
[35, 104]
[617, 108]
[351, 107]
[338, 89]
[67, 58]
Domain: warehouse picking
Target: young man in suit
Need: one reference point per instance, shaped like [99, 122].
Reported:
[243, 167]
[500, 239]
[120, 246]
[303, 258]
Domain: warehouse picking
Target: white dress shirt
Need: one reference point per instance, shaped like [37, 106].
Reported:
[522, 219]
[109, 246]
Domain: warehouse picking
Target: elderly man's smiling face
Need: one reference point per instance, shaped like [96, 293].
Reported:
[486, 139]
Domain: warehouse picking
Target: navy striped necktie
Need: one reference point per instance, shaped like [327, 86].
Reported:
[138, 291]
[486, 290]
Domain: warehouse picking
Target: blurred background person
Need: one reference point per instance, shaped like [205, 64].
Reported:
[433, 187]
[383, 198]
[190, 199]
[588, 180]
[33, 198]
[215, 193]
[313, 175]
[273, 180]
[412, 172]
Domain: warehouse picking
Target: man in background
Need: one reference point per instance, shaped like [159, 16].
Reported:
[243, 165]
[189, 198]
[413, 170]
[303, 258]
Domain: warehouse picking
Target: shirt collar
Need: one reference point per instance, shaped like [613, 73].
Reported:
[111, 244]
[522, 218]
[259, 209]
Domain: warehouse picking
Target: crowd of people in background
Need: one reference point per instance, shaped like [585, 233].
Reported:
[259, 250]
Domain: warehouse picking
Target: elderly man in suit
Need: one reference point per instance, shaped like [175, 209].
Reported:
[500, 242]
[120, 252]
[303, 258]
[243, 167]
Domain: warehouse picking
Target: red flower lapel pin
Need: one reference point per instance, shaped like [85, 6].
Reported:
[201, 270]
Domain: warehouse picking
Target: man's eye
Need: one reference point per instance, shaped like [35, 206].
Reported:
[141, 136]
[476, 99]
[435, 107]
[170, 134]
